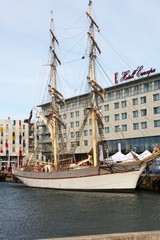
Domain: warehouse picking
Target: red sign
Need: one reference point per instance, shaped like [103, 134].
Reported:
[138, 72]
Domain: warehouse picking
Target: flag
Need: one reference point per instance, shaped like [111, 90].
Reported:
[20, 137]
[20, 152]
[7, 153]
[30, 117]
[6, 144]
[24, 144]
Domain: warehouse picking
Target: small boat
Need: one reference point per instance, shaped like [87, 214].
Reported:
[89, 174]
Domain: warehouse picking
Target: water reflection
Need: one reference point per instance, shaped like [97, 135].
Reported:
[29, 213]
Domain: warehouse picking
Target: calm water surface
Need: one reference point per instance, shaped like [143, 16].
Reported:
[28, 213]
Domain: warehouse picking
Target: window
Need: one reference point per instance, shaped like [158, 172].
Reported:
[77, 123]
[116, 105]
[156, 97]
[77, 143]
[157, 123]
[72, 114]
[64, 116]
[135, 126]
[85, 112]
[100, 130]
[106, 118]
[143, 112]
[143, 100]
[156, 110]
[135, 113]
[117, 128]
[106, 107]
[157, 85]
[85, 142]
[126, 92]
[118, 94]
[77, 134]
[90, 132]
[124, 127]
[77, 113]
[147, 87]
[116, 117]
[110, 96]
[72, 134]
[143, 125]
[106, 129]
[124, 115]
[72, 124]
[135, 101]
[123, 104]
[136, 89]
[85, 132]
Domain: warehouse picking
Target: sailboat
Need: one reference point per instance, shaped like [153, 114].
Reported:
[88, 174]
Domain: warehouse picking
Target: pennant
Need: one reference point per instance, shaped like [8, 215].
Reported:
[30, 117]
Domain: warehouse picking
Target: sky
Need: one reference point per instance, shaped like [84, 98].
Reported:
[129, 37]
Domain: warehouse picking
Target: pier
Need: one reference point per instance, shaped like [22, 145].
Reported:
[153, 235]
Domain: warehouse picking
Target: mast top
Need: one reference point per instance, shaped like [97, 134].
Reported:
[90, 2]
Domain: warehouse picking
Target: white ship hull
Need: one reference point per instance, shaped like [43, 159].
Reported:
[89, 179]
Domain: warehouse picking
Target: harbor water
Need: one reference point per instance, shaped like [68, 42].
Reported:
[29, 213]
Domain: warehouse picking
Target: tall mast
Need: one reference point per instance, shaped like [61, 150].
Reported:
[96, 90]
[54, 95]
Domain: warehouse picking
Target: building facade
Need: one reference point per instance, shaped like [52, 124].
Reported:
[14, 141]
[130, 112]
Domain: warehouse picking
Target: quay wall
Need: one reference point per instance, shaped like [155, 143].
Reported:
[7, 177]
[149, 182]
[153, 235]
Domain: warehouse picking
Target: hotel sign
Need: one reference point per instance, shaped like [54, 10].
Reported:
[128, 75]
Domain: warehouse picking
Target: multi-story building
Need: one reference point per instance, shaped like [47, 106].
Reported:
[130, 113]
[13, 140]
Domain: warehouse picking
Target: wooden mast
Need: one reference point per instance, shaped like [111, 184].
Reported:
[95, 88]
[54, 107]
